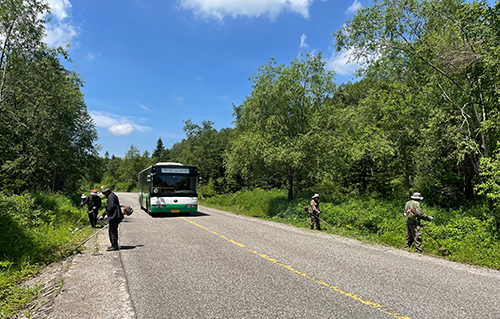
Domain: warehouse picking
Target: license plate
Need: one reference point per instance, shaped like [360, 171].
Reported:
[174, 211]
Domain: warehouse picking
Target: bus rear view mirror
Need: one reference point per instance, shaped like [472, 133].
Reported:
[148, 178]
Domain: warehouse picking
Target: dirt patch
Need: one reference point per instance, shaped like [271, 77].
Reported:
[91, 284]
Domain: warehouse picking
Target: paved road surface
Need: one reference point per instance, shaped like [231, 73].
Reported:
[215, 264]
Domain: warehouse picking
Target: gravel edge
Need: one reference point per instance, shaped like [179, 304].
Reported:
[90, 284]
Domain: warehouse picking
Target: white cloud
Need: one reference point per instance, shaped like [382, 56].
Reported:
[102, 119]
[118, 125]
[60, 31]
[303, 43]
[144, 107]
[59, 34]
[178, 98]
[355, 6]
[91, 55]
[121, 129]
[339, 62]
[59, 8]
[219, 9]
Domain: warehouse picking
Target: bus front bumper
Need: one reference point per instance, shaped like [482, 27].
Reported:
[173, 208]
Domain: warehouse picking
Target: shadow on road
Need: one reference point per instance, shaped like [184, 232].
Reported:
[130, 247]
[170, 215]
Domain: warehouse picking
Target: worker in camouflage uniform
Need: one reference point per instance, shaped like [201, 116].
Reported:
[414, 214]
[314, 212]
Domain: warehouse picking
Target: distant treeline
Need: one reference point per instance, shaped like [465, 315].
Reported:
[424, 115]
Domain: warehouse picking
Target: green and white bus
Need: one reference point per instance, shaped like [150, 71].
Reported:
[169, 188]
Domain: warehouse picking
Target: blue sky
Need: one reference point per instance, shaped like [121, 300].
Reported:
[149, 65]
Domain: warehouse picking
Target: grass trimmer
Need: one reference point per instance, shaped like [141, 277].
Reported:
[306, 209]
[76, 229]
[86, 240]
[442, 250]
[325, 222]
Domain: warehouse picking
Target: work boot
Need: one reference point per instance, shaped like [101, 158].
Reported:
[111, 248]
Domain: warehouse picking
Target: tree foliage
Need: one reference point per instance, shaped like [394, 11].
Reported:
[439, 59]
[47, 136]
[160, 153]
[275, 123]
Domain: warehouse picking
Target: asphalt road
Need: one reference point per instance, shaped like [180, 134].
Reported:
[215, 264]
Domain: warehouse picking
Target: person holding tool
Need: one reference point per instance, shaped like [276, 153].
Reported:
[93, 203]
[113, 214]
[414, 214]
[314, 212]
[84, 201]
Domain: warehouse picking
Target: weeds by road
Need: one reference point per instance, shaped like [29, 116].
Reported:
[470, 233]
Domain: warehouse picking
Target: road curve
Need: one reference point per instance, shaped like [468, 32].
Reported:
[215, 264]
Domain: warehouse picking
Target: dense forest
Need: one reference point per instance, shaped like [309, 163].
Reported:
[423, 116]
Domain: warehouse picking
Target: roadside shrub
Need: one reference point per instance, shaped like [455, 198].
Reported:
[209, 189]
[35, 229]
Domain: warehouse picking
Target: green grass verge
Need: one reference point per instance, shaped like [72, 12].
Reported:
[35, 230]
[471, 234]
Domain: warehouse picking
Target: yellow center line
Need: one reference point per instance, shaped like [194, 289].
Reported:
[337, 289]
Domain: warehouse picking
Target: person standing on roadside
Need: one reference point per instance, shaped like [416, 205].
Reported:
[94, 203]
[414, 214]
[113, 214]
[314, 212]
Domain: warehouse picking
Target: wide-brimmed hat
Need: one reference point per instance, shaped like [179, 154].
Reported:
[94, 192]
[315, 195]
[83, 196]
[105, 189]
[416, 196]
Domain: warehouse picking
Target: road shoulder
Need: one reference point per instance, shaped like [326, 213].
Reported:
[91, 284]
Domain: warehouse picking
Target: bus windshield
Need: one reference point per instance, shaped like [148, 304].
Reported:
[173, 184]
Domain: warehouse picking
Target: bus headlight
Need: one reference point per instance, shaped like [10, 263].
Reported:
[191, 205]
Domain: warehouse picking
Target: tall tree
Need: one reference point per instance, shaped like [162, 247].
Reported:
[274, 124]
[160, 153]
[21, 29]
[204, 147]
[47, 136]
[130, 167]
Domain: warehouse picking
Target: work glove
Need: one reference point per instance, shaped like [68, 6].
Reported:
[431, 218]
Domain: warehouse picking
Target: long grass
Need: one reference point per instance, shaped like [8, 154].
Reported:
[35, 230]
[471, 234]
